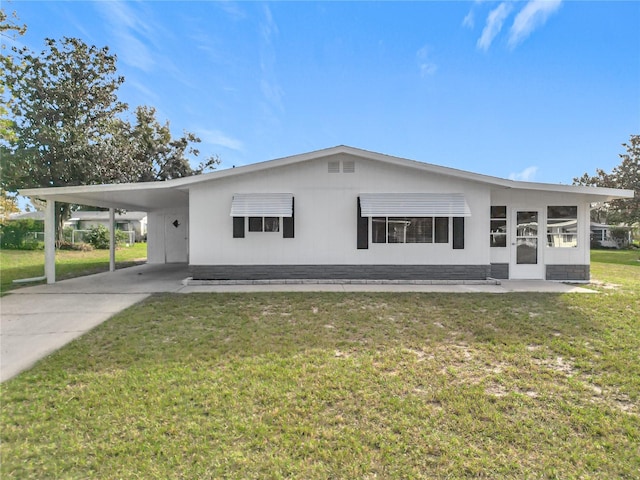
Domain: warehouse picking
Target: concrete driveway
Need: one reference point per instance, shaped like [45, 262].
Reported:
[36, 321]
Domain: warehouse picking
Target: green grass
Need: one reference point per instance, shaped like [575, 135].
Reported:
[621, 257]
[329, 385]
[18, 264]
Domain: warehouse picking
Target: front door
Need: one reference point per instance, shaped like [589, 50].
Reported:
[176, 237]
[526, 261]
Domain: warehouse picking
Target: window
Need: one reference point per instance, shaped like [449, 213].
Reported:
[410, 229]
[562, 226]
[498, 227]
[441, 230]
[264, 224]
[526, 237]
[264, 212]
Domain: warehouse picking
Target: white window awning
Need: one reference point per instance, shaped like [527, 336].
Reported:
[414, 205]
[262, 205]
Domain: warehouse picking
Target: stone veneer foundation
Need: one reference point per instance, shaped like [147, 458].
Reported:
[578, 273]
[371, 272]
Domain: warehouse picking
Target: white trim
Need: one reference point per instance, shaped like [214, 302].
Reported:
[112, 240]
[414, 204]
[50, 241]
[262, 205]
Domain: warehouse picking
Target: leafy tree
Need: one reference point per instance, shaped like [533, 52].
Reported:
[155, 155]
[8, 29]
[627, 176]
[8, 205]
[65, 108]
[8, 24]
[69, 128]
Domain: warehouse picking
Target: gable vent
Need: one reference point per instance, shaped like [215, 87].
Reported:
[348, 166]
[334, 167]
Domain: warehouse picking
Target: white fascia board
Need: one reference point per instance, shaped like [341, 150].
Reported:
[598, 193]
[130, 196]
[111, 187]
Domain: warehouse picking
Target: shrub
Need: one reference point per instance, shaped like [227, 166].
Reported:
[620, 235]
[20, 234]
[98, 237]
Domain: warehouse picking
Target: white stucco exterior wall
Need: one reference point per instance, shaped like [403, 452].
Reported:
[325, 217]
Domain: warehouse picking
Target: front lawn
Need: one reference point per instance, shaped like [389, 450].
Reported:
[621, 257]
[19, 264]
[330, 385]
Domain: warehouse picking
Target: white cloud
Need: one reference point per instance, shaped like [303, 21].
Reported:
[425, 64]
[533, 15]
[272, 104]
[146, 92]
[136, 53]
[492, 27]
[526, 175]
[134, 32]
[269, 85]
[231, 8]
[216, 137]
[469, 20]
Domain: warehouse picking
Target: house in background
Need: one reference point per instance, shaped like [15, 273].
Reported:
[601, 234]
[346, 213]
[134, 222]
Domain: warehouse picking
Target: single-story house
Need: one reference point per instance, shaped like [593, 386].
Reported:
[601, 234]
[349, 213]
[135, 222]
[126, 221]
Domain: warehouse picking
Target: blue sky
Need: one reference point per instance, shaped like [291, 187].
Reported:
[533, 90]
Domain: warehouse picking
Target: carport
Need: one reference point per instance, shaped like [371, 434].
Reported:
[166, 203]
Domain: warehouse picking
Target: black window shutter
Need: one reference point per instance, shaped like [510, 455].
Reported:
[458, 233]
[288, 223]
[238, 227]
[363, 229]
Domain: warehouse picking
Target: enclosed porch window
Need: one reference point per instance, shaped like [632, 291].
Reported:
[562, 226]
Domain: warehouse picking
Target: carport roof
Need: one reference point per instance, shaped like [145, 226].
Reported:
[152, 196]
[144, 197]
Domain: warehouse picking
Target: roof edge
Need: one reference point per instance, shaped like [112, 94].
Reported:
[185, 182]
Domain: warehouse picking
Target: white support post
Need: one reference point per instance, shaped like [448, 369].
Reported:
[50, 241]
[112, 240]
